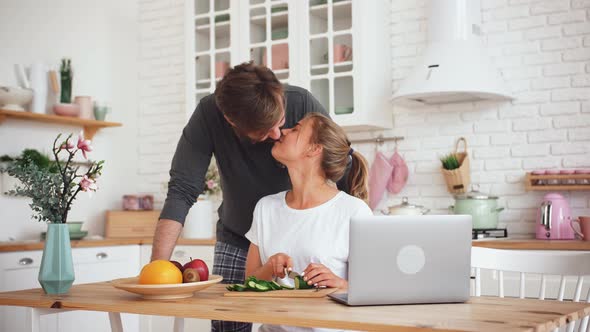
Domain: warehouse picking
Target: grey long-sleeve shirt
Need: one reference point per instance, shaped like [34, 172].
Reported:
[248, 171]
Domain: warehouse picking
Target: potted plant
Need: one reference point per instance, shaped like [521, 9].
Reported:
[53, 189]
[199, 220]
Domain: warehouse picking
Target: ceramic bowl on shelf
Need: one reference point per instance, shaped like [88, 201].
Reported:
[164, 291]
[72, 110]
[14, 98]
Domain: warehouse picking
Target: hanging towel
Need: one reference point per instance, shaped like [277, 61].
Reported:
[400, 174]
[379, 175]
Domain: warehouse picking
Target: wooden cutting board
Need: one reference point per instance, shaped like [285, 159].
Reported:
[284, 293]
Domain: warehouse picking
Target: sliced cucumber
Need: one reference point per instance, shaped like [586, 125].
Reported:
[262, 288]
[251, 284]
[275, 286]
[230, 288]
[301, 284]
[239, 288]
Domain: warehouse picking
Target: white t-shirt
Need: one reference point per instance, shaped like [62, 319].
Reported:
[316, 235]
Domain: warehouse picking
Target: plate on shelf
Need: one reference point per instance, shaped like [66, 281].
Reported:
[165, 291]
[73, 235]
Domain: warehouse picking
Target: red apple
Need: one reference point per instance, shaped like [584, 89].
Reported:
[190, 275]
[200, 266]
[178, 265]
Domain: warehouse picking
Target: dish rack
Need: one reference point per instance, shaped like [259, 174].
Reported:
[564, 180]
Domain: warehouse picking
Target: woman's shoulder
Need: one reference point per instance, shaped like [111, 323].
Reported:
[354, 205]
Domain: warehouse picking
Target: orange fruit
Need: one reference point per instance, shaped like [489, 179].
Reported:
[160, 272]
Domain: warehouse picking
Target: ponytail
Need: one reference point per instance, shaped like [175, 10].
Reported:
[357, 180]
[336, 156]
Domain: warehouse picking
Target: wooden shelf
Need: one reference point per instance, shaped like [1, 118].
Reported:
[90, 126]
[532, 182]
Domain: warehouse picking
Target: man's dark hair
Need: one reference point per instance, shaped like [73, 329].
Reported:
[252, 98]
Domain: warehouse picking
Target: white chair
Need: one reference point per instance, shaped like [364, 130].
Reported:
[544, 263]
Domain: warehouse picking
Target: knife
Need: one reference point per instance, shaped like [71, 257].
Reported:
[293, 275]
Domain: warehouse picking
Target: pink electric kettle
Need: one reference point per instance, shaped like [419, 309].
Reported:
[554, 218]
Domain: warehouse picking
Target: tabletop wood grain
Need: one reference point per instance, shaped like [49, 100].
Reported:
[478, 314]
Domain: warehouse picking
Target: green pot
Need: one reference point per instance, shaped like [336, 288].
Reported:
[56, 274]
[483, 208]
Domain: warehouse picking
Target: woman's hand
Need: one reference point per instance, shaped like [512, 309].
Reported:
[319, 275]
[279, 262]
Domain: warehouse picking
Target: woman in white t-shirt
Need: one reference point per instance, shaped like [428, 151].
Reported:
[306, 229]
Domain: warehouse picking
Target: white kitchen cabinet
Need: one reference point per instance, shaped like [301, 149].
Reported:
[19, 270]
[337, 49]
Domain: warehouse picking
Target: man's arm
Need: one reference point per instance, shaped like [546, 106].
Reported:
[187, 181]
[167, 232]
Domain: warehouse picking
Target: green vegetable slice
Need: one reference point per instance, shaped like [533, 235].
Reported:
[301, 284]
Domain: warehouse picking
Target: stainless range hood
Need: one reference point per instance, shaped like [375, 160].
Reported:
[455, 66]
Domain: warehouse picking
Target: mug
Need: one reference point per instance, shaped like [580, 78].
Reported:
[85, 103]
[220, 68]
[342, 53]
[584, 222]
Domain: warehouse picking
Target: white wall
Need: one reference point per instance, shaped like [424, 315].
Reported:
[543, 51]
[101, 39]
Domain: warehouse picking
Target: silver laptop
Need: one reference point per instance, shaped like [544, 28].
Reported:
[408, 259]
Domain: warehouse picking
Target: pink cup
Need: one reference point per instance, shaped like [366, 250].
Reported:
[280, 57]
[221, 67]
[342, 53]
[584, 222]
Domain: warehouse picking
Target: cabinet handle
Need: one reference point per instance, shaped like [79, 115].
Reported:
[180, 253]
[25, 261]
[101, 256]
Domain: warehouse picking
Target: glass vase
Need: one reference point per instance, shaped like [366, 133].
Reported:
[56, 274]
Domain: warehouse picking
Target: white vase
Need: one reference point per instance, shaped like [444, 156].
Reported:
[199, 220]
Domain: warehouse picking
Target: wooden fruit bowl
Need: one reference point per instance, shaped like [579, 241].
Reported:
[164, 291]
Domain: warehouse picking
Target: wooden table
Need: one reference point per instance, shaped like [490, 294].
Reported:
[479, 314]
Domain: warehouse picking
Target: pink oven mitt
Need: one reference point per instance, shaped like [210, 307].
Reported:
[379, 175]
[400, 174]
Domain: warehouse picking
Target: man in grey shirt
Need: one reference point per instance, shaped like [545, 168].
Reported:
[237, 124]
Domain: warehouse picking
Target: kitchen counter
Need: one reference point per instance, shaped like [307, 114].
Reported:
[38, 245]
[515, 244]
[478, 314]
[532, 244]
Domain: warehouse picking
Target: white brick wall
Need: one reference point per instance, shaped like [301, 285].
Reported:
[541, 47]
[162, 80]
[543, 51]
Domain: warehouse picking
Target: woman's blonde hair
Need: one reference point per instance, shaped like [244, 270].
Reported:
[335, 155]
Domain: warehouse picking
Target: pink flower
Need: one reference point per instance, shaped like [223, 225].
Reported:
[67, 145]
[211, 184]
[88, 184]
[84, 144]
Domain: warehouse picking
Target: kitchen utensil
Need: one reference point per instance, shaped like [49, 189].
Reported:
[482, 207]
[584, 223]
[165, 291]
[85, 103]
[21, 76]
[554, 219]
[406, 209]
[292, 274]
[280, 57]
[39, 83]
[62, 109]
[221, 68]
[300, 293]
[15, 98]
[342, 53]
